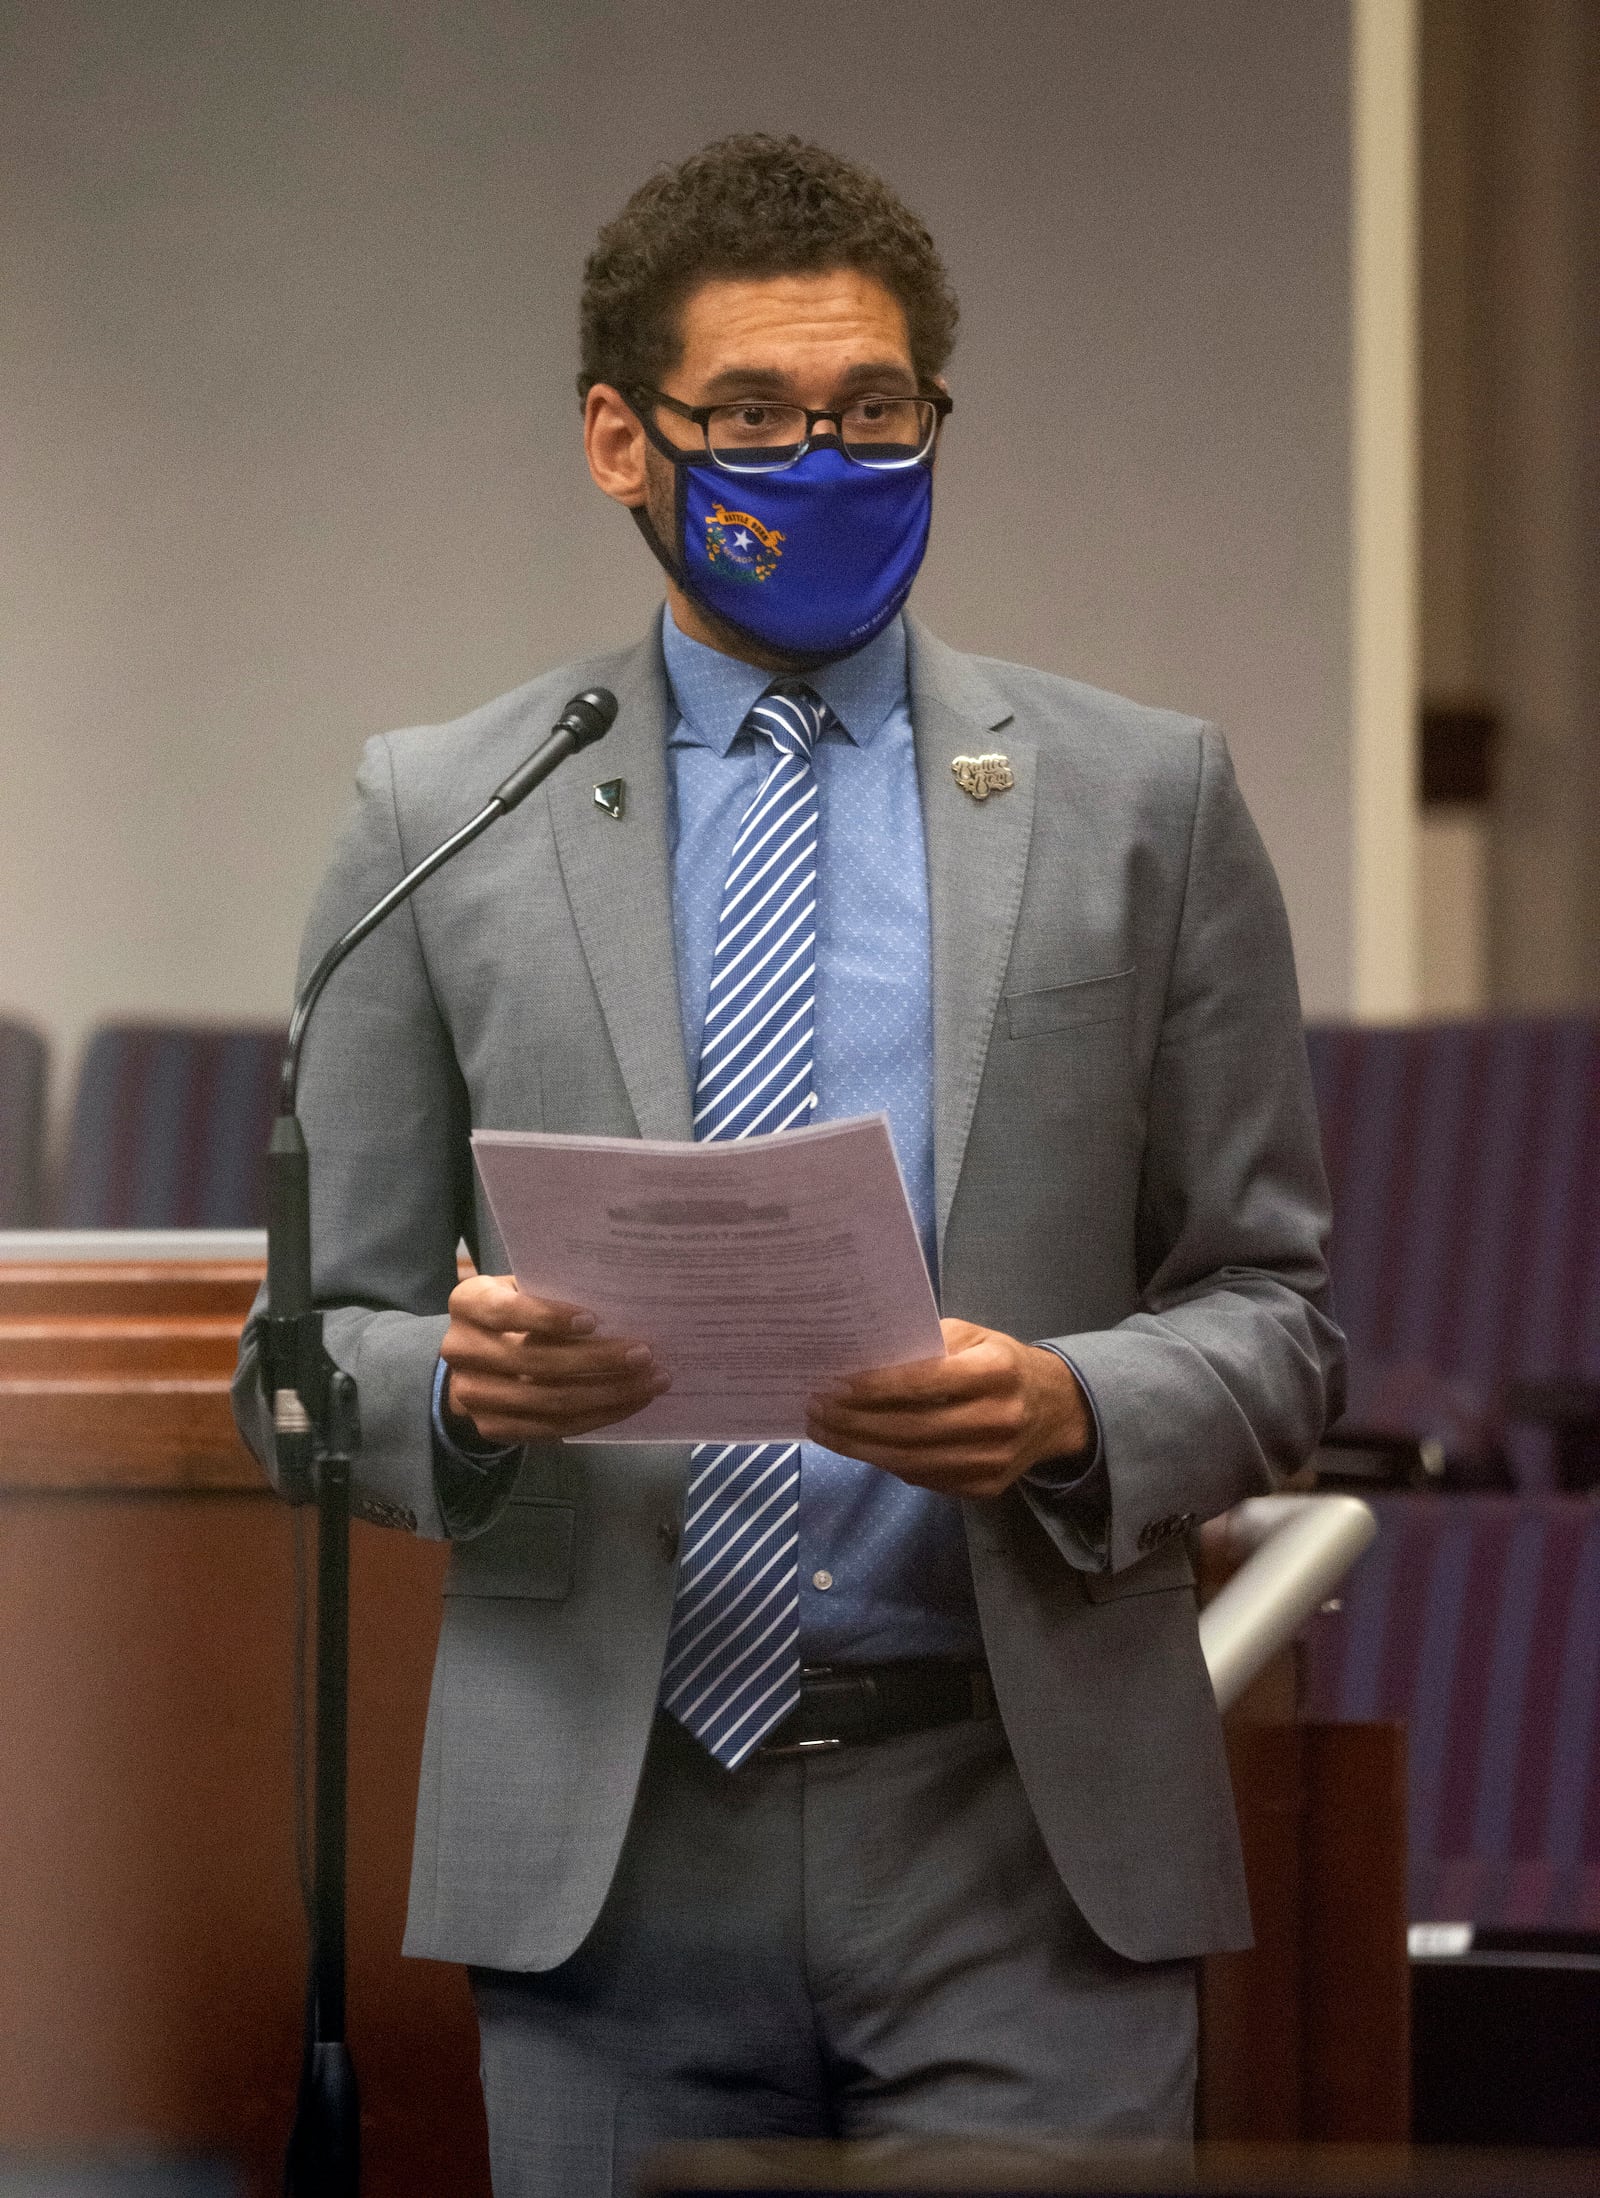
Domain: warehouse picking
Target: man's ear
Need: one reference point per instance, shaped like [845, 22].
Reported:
[614, 444]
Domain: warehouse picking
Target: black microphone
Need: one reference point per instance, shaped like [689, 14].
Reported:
[584, 720]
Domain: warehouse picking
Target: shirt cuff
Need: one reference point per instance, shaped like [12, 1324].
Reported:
[1058, 1475]
[455, 1438]
[1078, 1487]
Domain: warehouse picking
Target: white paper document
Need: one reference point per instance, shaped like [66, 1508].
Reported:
[756, 1270]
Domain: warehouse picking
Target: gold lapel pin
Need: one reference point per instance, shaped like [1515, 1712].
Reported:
[609, 796]
[981, 776]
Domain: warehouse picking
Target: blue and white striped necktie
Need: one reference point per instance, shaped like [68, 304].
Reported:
[733, 1652]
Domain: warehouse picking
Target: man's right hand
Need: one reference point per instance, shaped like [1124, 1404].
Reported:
[522, 1369]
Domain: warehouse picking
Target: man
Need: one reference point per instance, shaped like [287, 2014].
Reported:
[877, 1785]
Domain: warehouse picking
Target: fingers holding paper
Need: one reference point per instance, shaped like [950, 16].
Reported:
[526, 1369]
[968, 1424]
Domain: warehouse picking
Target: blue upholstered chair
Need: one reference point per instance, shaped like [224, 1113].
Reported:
[169, 1128]
[1464, 1160]
[23, 1068]
[1475, 1621]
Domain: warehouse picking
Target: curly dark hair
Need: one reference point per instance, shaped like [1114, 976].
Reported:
[751, 206]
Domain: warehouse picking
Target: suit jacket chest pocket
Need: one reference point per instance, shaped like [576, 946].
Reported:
[1061, 1112]
[1083, 1005]
[528, 1554]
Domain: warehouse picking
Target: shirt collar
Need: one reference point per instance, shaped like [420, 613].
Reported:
[714, 693]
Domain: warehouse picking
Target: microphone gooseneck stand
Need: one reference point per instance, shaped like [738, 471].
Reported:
[317, 1434]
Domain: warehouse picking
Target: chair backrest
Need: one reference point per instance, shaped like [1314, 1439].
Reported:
[1475, 1621]
[1464, 1160]
[169, 1128]
[24, 1063]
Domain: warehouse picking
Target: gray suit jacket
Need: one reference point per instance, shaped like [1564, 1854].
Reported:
[1127, 1163]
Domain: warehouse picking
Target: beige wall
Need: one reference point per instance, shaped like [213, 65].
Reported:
[1457, 320]
[1544, 497]
[1511, 490]
[1455, 503]
[291, 444]
[1384, 957]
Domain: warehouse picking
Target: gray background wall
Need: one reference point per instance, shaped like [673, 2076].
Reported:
[291, 446]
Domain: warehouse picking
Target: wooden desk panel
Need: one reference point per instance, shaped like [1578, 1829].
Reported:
[1307, 2036]
[152, 1949]
[116, 1376]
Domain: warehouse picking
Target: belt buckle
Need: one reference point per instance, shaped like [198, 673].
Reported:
[773, 1749]
[855, 1686]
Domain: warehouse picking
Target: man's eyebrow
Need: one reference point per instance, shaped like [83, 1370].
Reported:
[890, 374]
[772, 381]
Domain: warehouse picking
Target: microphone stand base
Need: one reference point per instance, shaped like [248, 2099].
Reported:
[324, 2159]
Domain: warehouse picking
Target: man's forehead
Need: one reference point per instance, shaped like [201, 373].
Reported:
[843, 316]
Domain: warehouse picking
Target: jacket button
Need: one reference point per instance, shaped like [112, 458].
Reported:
[667, 1537]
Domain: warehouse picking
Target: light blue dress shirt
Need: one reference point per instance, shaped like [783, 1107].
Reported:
[884, 1571]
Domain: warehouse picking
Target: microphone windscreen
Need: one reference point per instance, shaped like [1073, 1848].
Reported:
[588, 715]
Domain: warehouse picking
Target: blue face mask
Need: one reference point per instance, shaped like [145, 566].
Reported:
[811, 562]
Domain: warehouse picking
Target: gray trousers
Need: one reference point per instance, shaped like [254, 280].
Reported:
[861, 1943]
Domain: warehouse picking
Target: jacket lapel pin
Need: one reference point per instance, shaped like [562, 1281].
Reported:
[609, 796]
[981, 776]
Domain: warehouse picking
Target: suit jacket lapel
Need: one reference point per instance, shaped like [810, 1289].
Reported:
[977, 857]
[618, 879]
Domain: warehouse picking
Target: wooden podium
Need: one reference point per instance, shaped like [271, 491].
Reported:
[152, 1945]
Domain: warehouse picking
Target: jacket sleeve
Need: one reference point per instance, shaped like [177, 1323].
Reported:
[1224, 1379]
[386, 1119]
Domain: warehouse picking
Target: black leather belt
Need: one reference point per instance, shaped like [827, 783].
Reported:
[843, 1704]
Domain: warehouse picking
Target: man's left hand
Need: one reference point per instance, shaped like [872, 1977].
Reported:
[965, 1425]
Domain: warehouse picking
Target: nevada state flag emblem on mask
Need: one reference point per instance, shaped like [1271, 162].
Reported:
[739, 547]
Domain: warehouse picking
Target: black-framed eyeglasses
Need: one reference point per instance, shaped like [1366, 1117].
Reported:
[760, 435]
